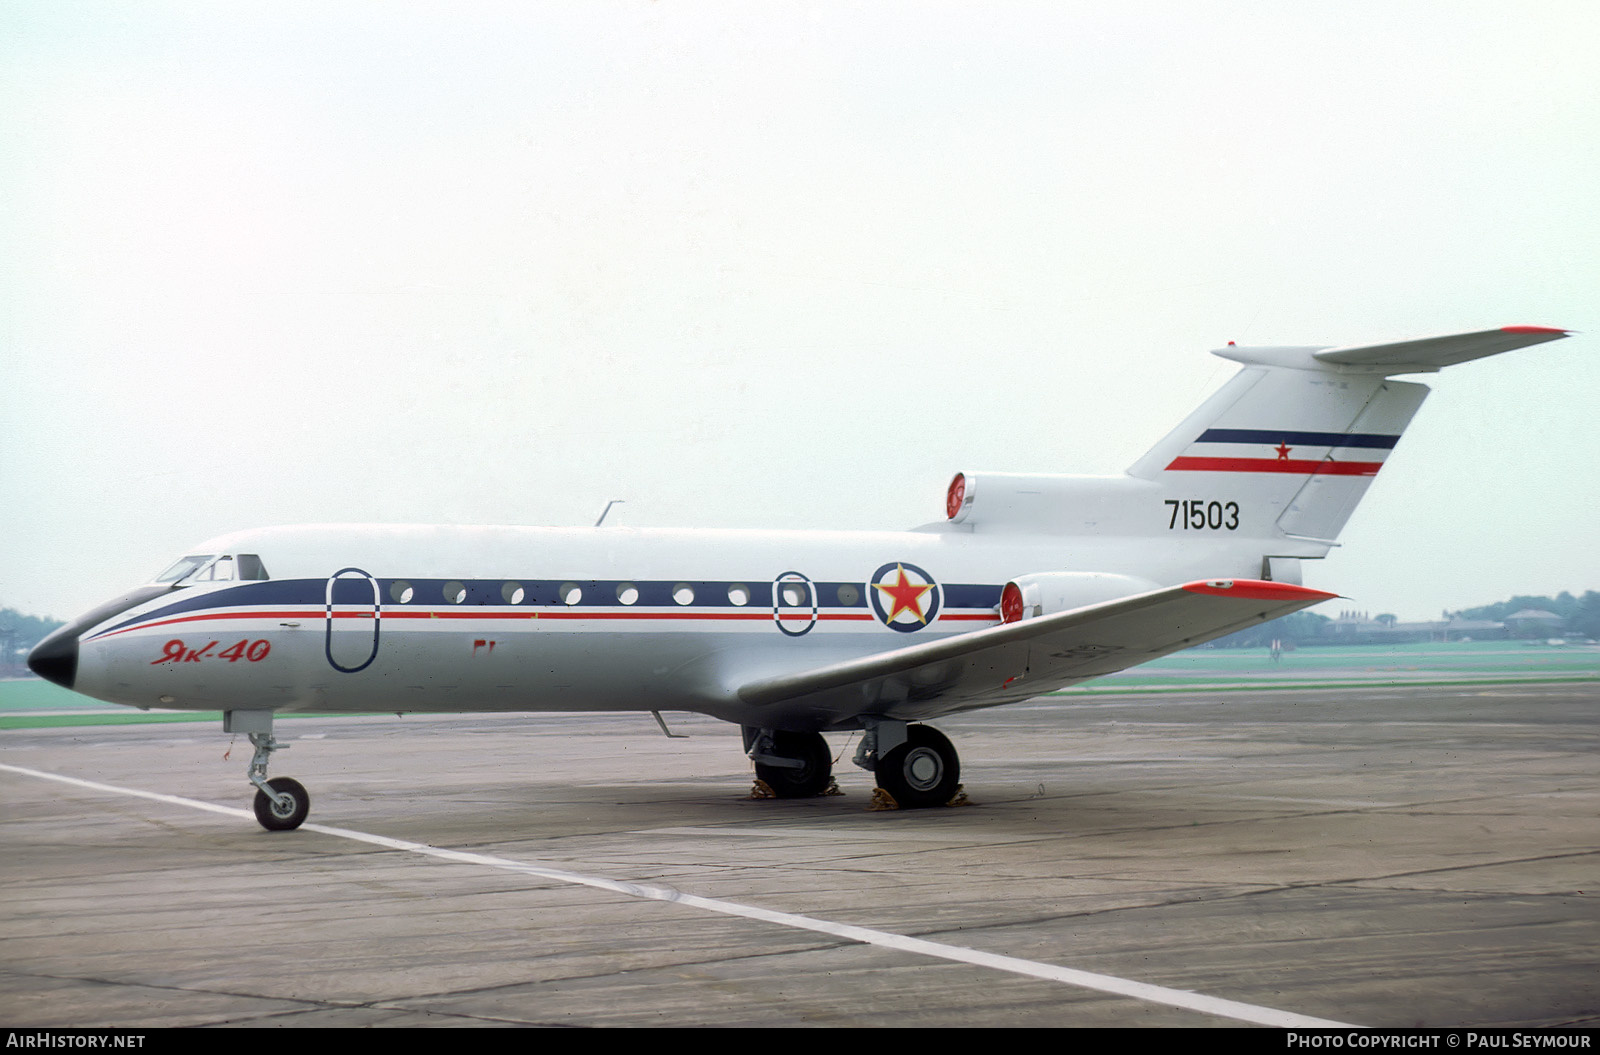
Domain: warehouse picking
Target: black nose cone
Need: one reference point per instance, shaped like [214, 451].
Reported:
[56, 657]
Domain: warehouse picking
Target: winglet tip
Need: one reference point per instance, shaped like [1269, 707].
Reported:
[1556, 330]
[1259, 590]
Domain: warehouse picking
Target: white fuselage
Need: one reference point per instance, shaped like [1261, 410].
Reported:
[435, 618]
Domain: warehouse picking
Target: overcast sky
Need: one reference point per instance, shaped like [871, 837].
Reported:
[775, 264]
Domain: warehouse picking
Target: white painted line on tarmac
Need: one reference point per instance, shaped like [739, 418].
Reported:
[1104, 983]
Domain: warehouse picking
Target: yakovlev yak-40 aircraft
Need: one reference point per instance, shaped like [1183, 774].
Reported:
[1029, 584]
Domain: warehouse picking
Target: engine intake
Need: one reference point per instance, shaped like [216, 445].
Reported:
[1045, 593]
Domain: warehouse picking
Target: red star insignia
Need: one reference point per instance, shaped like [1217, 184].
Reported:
[907, 596]
[1283, 450]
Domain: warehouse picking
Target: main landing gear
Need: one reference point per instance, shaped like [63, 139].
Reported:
[793, 765]
[916, 764]
[281, 804]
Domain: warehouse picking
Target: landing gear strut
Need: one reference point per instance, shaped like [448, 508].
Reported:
[793, 765]
[281, 804]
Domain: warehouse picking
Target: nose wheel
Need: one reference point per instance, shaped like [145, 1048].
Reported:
[286, 809]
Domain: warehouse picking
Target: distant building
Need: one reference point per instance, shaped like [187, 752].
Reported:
[1358, 628]
[1533, 622]
[1458, 629]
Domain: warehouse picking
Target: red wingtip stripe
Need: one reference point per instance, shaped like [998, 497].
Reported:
[1534, 329]
[1258, 590]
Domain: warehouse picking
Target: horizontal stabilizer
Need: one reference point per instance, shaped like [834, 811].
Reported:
[1433, 353]
[1017, 660]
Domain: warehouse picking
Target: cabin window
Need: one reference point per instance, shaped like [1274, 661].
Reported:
[627, 592]
[570, 593]
[401, 592]
[512, 593]
[683, 593]
[454, 592]
[738, 594]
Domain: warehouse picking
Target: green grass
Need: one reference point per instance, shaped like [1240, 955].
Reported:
[31, 703]
[35, 694]
[133, 717]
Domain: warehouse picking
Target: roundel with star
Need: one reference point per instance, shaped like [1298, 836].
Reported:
[903, 596]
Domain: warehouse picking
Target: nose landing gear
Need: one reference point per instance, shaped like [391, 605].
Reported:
[281, 804]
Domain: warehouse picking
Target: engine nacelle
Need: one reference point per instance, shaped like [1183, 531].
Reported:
[1047, 502]
[1045, 593]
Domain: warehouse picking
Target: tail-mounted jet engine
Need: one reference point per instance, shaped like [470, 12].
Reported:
[1045, 593]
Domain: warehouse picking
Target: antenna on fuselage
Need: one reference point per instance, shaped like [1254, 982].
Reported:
[614, 501]
[663, 723]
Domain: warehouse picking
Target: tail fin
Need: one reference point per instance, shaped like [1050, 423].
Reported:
[1300, 432]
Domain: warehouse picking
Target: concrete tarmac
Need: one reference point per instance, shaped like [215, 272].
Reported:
[1376, 856]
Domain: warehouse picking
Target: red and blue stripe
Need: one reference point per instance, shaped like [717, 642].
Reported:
[1284, 441]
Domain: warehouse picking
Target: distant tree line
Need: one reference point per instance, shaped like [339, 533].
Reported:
[26, 630]
[18, 634]
[1580, 615]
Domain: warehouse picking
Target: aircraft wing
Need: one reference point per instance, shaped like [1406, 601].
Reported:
[1015, 661]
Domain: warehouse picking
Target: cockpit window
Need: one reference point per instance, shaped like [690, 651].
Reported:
[250, 567]
[219, 570]
[203, 567]
[183, 568]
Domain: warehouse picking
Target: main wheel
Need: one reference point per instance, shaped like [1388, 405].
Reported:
[291, 815]
[923, 771]
[811, 778]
